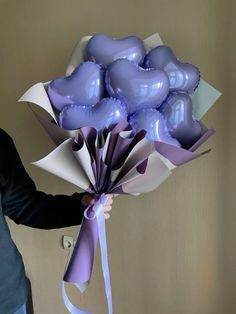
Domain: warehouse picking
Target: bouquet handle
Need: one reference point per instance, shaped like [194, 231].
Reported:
[80, 264]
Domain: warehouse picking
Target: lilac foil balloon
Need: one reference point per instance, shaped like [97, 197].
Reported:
[177, 112]
[183, 76]
[84, 86]
[136, 87]
[104, 50]
[152, 121]
[104, 114]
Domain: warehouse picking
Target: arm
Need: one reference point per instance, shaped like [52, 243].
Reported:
[24, 204]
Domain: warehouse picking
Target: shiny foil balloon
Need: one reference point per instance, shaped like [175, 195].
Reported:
[153, 122]
[183, 76]
[177, 112]
[103, 49]
[136, 87]
[104, 114]
[84, 86]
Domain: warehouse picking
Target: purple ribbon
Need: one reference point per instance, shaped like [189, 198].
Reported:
[80, 265]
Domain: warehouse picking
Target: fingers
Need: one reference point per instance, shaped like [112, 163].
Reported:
[109, 202]
[107, 206]
[107, 216]
[88, 199]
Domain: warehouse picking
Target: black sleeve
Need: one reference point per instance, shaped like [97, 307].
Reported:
[24, 204]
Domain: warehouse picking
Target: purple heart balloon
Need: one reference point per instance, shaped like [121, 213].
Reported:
[153, 122]
[136, 87]
[177, 112]
[103, 49]
[104, 114]
[84, 86]
[183, 76]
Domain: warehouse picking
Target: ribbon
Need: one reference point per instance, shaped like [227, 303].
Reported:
[96, 215]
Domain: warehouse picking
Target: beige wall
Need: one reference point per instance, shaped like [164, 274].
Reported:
[171, 251]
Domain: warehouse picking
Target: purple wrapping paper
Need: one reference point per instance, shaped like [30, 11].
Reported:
[79, 269]
[117, 149]
[113, 161]
[179, 156]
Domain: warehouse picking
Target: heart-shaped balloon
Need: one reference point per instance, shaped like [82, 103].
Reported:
[177, 112]
[183, 76]
[104, 114]
[153, 122]
[84, 86]
[136, 87]
[104, 49]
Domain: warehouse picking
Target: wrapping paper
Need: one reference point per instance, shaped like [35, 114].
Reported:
[113, 161]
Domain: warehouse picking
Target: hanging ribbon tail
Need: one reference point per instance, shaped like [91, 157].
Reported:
[103, 250]
[80, 264]
[70, 307]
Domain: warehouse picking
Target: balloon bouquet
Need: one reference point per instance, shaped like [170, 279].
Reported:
[126, 114]
[118, 80]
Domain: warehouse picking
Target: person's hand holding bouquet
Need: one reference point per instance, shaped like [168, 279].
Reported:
[88, 199]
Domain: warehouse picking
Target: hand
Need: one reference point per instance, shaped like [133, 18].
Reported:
[107, 206]
[88, 199]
